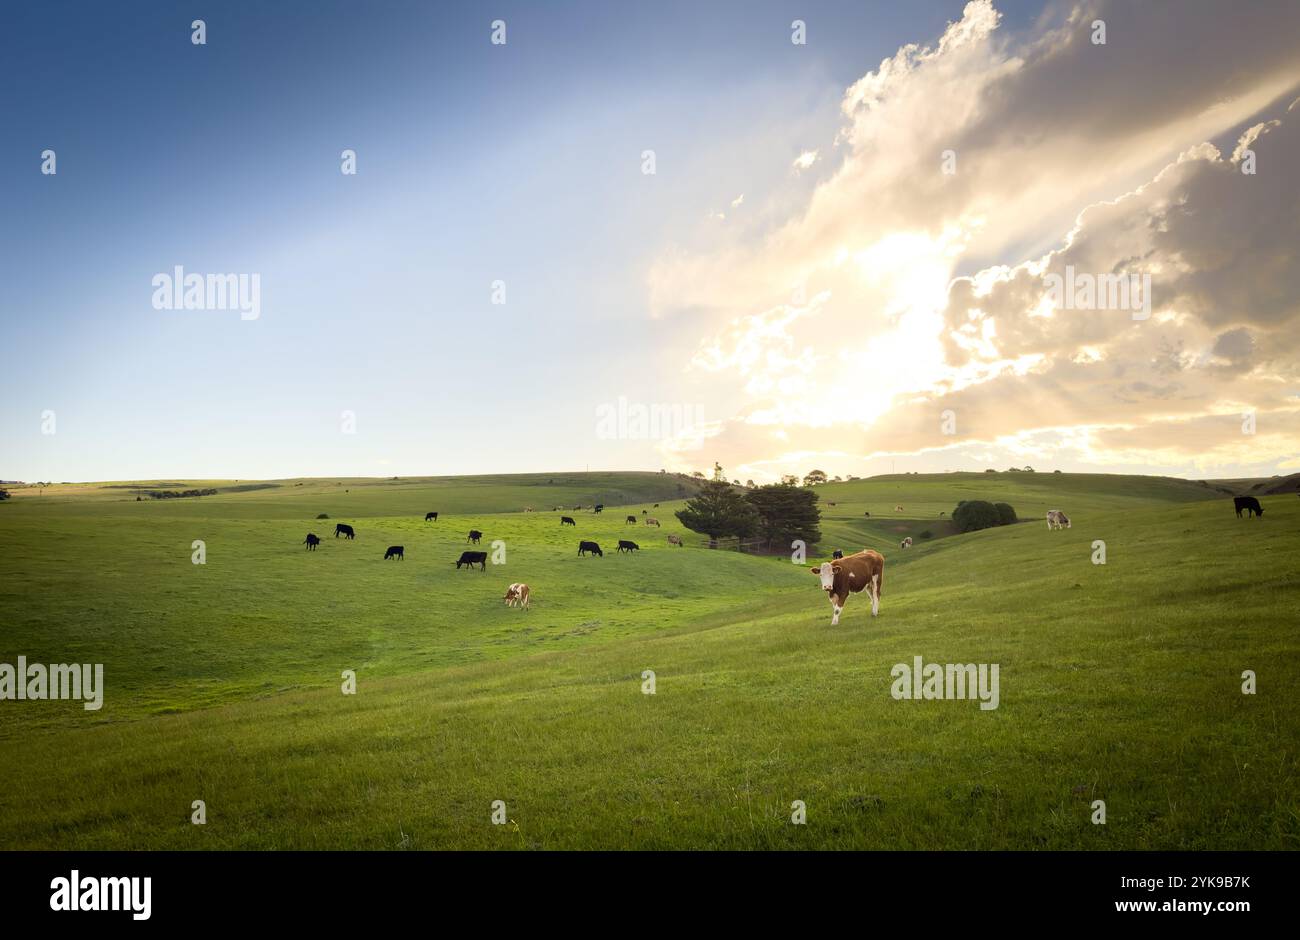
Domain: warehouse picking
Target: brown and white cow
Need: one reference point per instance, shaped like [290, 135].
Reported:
[517, 595]
[853, 574]
[652, 521]
[906, 543]
[674, 540]
[1057, 519]
[898, 509]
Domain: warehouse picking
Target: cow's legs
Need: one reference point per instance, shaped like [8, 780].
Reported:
[875, 595]
[836, 607]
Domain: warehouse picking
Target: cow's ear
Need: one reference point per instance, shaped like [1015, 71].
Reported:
[836, 568]
[816, 569]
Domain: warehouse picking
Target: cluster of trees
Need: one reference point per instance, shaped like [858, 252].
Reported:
[974, 514]
[778, 513]
[812, 478]
[176, 494]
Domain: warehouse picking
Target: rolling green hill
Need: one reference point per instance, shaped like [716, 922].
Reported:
[1119, 682]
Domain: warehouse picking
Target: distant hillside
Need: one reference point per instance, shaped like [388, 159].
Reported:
[1261, 486]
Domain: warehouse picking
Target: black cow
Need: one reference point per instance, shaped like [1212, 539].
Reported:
[311, 541]
[345, 531]
[626, 546]
[584, 547]
[866, 513]
[1248, 503]
[395, 551]
[472, 559]
[644, 511]
[567, 520]
[631, 520]
[837, 554]
[599, 507]
[474, 536]
[656, 505]
[430, 516]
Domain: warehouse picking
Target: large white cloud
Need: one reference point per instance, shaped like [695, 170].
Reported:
[839, 327]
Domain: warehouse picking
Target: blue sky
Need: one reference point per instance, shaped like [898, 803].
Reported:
[476, 163]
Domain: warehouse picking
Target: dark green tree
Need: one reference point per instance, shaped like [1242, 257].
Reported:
[786, 512]
[718, 511]
[1006, 515]
[972, 515]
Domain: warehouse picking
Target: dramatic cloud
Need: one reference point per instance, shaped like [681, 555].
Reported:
[849, 333]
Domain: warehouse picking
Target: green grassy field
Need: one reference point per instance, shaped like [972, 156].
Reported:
[1119, 682]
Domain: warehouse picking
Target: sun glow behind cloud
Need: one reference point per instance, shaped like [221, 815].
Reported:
[893, 337]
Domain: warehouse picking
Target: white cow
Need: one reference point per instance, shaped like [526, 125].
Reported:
[517, 595]
[906, 543]
[1057, 519]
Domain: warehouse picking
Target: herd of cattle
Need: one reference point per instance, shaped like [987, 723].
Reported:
[840, 577]
[517, 594]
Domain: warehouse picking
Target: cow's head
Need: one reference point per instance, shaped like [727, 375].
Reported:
[827, 572]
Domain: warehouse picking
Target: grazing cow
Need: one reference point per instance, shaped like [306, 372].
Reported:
[567, 520]
[942, 513]
[852, 575]
[599, 507]
[472, 559]
[528, 509]
[906, 543]
[430, 517]
[655, 506]
[474, 536]
[652, 521]
[675, 540]
[837, 554]
[626, 546]
[311, 541]
[395, 551]
[866, 513]
[584, 547]
[898, 509]
[1057, 519]
[517, 595]
[631, 520]
[644, 511]
[828, 503]
[1248, 503]
[344, 530]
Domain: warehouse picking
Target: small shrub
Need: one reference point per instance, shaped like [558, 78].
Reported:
[975, 514]
[927, 534]
[323, 516]
[1006, 515]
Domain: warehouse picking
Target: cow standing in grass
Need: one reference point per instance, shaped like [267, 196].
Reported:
[395, 551]
[1248, 503]
[1057, 519]
[517, 595]
[864, 571]
[906, 543]
[311, 541]
[344, 530]
[652, 521]
[675, 540]
[430, 517]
